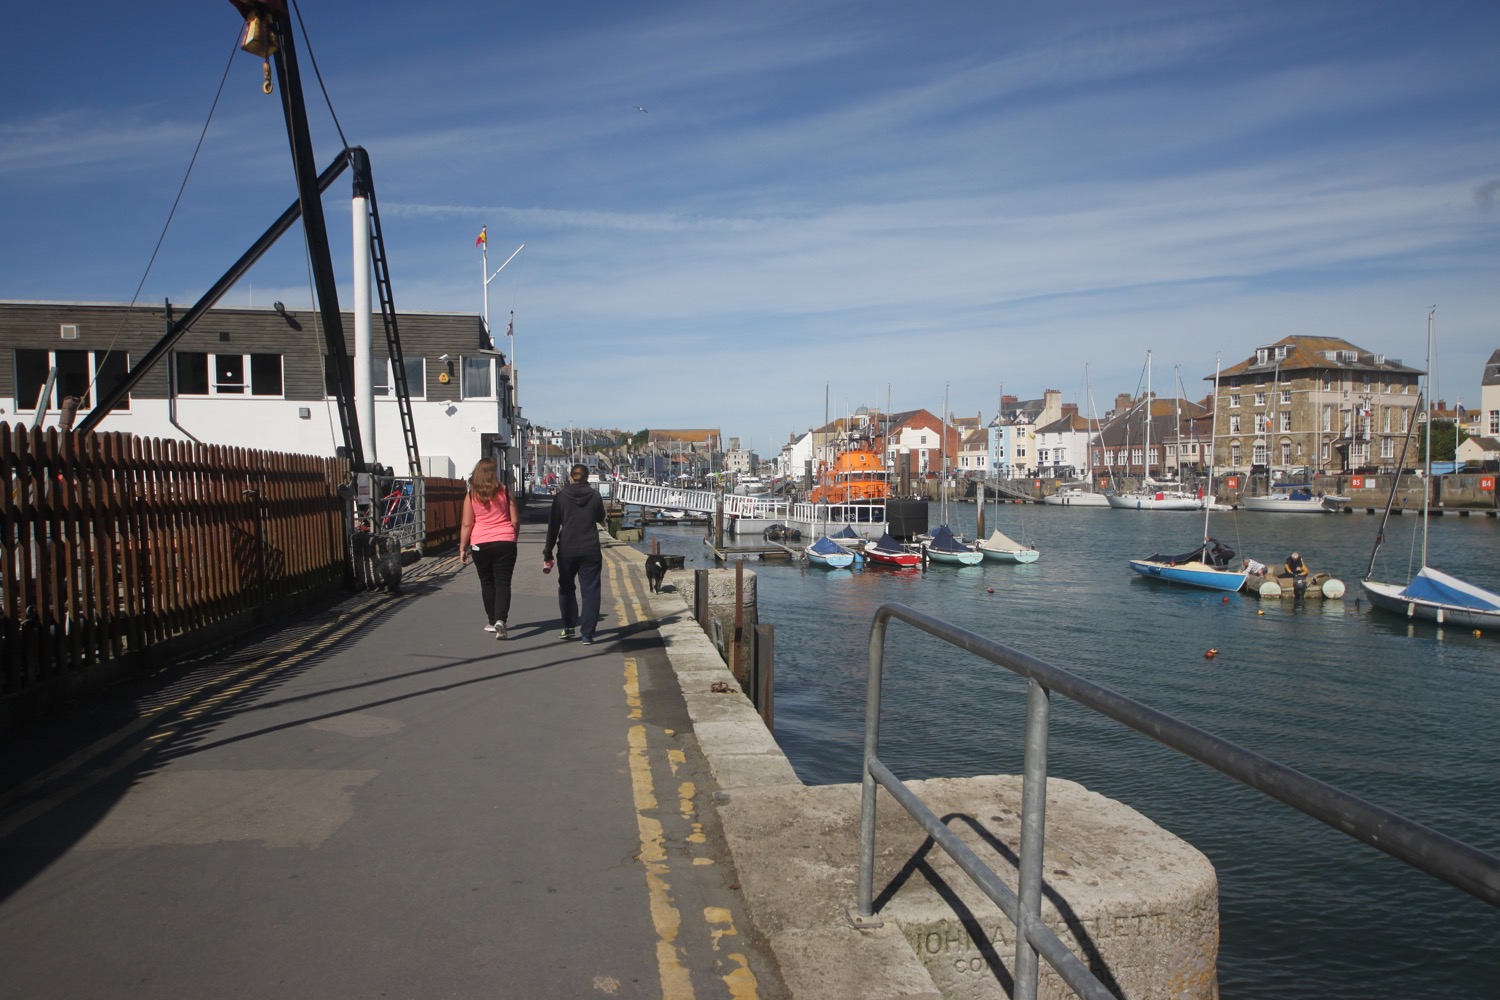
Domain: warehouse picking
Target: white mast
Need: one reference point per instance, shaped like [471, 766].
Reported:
[1427, 416]
[1146, 459]
[1208, 497]
[364, 354]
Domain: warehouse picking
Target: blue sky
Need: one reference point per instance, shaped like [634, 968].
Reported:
[884, 198]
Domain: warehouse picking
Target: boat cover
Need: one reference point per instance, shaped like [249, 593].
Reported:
[1213, 552]
[943, 541]
[828, 547]
[845, 532]
[1001, 542]
[1438, 587]
[888, 544]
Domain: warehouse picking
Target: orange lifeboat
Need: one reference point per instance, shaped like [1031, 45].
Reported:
[857, 474]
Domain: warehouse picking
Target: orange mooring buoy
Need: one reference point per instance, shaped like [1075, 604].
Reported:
[989, 590]
[1210, 654]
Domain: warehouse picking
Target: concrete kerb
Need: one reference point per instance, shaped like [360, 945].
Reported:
[821, 954]
[1141, 902]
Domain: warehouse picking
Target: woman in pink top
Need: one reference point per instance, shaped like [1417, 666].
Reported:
[488, 534]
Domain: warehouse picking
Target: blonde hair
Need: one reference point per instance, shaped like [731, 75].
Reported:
[484, 481]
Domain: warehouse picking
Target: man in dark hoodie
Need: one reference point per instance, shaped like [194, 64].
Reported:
[573, 533]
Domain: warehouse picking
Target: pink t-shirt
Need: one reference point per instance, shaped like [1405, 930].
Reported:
[492, 521]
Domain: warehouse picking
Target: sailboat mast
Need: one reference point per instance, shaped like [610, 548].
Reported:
[1427, 416]
[1146, 460]
[943, 454]
[1208, 497]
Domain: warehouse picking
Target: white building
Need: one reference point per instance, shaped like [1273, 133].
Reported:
[258, 378]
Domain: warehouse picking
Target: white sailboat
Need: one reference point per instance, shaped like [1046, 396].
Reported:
[1000, 547]
[1209, 565]
[1082, 495]
[944, 546]
[1432, 595]
[1154, 495]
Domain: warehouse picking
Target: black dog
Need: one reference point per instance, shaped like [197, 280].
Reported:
[656, 571]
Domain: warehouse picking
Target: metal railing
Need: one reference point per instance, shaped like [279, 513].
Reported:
[1443, 857]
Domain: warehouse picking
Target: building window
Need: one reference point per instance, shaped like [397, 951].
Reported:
[1260, 399]
[1286, 397]
[1234, 454]
[416, 378]
[1387, 447]
[1286, 453]
[477, 378]
[1327, 381]
[1234, 399]
[1259, 453]
[200, 374]
[1494, 421]
[1286, 421]
[79, 373]
[1234, 423]
[1327, 417]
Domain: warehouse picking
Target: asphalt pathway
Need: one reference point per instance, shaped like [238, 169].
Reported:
[381, 800]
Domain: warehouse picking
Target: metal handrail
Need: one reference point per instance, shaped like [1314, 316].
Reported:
[1441, 856]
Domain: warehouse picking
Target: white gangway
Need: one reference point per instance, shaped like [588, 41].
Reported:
[698, 501]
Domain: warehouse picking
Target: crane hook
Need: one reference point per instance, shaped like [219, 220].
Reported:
[267, 85]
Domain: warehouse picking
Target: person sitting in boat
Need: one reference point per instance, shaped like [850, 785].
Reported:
[1254, 567]
[1295, 568]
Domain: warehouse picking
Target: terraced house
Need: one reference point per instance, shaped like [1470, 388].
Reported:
[1306, 405]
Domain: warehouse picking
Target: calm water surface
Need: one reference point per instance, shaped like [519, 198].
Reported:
[1404, 715]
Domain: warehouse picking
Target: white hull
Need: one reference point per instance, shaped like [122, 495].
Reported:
[1076, 498]
[1275, 504]
[967, 558]
[1392, 598]
[1155, 501]
[1013, 556]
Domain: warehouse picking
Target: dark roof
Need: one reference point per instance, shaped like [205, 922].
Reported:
[1492, 370]
[1317, 354]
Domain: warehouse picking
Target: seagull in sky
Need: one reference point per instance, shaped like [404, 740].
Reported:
[640, 109]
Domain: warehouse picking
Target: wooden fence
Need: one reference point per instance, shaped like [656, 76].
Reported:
[112, 544]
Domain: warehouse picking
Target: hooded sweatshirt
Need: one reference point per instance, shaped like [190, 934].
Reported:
[572, 529]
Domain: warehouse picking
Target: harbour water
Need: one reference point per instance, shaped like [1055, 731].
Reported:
[1405, 715]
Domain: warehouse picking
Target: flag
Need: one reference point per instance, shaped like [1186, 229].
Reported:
[481, 239]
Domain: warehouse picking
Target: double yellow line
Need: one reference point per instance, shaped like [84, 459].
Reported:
[627, 586]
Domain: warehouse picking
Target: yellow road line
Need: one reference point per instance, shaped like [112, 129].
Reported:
[738, 978]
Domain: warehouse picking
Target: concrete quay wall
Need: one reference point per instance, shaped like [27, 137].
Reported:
[1135, 902]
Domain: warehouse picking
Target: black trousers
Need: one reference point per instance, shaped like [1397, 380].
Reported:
[495, 562]
[585, 572]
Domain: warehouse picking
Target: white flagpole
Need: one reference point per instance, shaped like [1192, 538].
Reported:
[484, 270]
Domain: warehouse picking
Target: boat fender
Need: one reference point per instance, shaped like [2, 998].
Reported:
[1270, 589]
[1260, 611]
[1333, 589]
